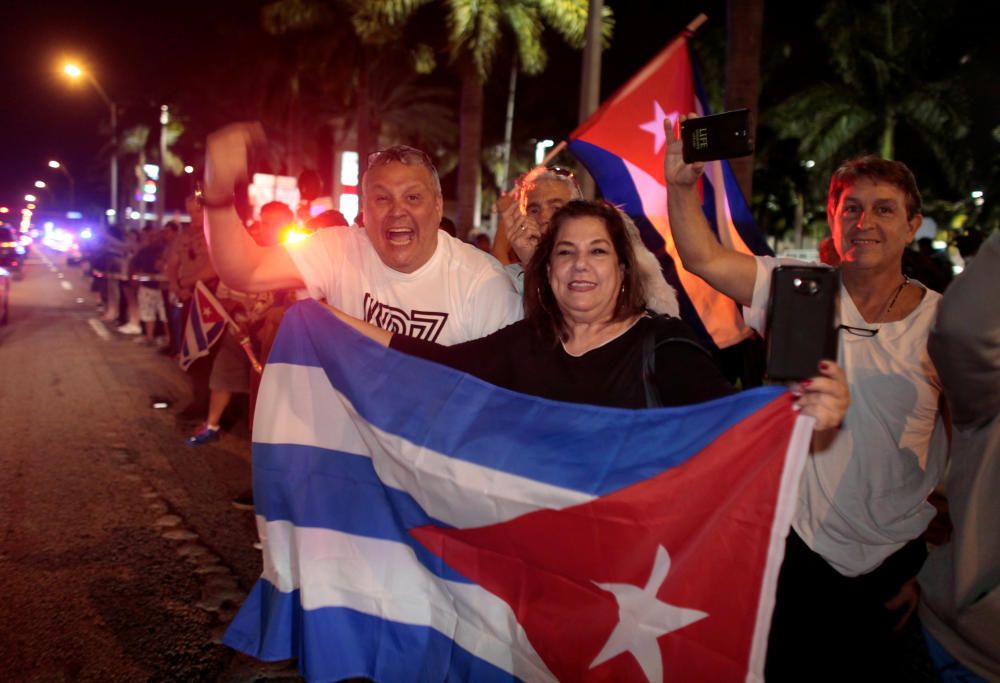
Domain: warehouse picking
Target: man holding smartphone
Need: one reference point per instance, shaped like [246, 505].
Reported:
[855, 546]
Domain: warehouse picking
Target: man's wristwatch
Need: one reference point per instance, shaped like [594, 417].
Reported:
[212, 203]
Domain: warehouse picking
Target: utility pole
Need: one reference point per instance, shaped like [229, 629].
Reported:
[161, 181]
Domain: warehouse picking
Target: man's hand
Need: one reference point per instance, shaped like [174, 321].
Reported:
[226, 157]
[522, 232]
[675, 171]
[906, 600]
[523, 237]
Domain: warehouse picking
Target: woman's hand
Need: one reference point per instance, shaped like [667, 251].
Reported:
[824, 397]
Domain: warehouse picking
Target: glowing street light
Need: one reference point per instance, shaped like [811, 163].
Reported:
[72, 185]
[30, 198]
[75, 71]
[40, 184]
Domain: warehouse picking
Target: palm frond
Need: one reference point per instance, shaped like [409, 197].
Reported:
[526, 26]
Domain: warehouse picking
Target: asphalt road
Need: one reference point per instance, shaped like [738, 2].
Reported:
[121, 558]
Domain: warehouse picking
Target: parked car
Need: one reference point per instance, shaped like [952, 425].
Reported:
[12, 252]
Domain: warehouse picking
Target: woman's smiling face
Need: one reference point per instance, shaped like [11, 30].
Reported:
[584, 271]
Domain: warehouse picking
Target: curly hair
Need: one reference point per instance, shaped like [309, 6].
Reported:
[541, 309]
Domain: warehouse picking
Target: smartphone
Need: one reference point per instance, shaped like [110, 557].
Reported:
[720, 136]
[801, 321]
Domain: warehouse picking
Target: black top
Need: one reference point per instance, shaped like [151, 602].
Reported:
[611, 375]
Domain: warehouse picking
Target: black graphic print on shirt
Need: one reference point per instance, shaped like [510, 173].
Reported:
[426, 325]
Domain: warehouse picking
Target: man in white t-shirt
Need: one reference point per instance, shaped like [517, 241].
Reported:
[399, 272]
[855, 546]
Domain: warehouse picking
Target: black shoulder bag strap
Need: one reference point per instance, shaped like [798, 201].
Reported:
[649, 347]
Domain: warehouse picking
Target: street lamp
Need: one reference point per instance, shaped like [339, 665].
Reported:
[30, 198]
[74, 71]
[72, 185]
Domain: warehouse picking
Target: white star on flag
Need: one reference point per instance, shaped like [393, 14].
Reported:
[656, 126]
[642, 618]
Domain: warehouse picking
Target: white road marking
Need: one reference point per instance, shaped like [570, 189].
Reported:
[66, 285]
[99, 329]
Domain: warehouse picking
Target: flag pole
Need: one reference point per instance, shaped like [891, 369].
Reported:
[696, 23]
[692, 26]
[234, 329]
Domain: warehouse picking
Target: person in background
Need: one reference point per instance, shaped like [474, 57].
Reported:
[130, 288]
[331, 218]
[848, 577]
[448, 226]
[147, 270]
[480, 240]
[187, 262]
[524, 215]
[960, 597]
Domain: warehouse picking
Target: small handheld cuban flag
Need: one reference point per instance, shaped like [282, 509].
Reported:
[419, 524]
[623, 145]
[205, 325]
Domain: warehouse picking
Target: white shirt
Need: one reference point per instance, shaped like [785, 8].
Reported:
[865, 496]
[461, 293]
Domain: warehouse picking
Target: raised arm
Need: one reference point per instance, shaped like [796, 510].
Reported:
[239, 261]
[376, 334]
[726, 270]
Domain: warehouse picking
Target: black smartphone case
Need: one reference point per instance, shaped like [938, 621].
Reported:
[802, 317]
[719, 136]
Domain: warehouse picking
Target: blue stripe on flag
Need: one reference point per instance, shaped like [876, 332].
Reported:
[624, 446]
[347, 635]
[739, 209]
[294, 483]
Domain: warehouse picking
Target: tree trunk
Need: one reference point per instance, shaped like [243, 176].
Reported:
[745, 19]
[469, 151]
[889, 137]
[363, 122]
[508, 133]
[590, 82]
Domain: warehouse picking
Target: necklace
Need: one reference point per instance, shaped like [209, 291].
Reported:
[892, 300]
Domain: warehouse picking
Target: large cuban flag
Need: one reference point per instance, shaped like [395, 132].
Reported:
[419, 524]
[622, 145]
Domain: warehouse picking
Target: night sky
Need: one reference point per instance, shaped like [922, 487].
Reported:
[146, 54]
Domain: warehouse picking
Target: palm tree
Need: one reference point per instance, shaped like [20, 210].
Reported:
[475, 33]
[881, 54]
[356, 40]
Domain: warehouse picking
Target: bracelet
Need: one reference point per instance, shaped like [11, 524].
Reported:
[225, 203]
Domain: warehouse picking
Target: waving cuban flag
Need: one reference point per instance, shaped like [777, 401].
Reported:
[419, 524]
[623, 144]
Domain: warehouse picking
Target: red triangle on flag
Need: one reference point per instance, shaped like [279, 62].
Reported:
[713, 517]
[207, 309]
[630, 122]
